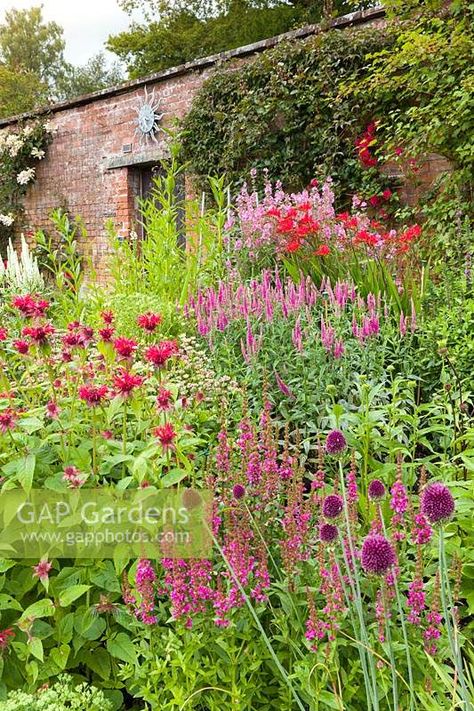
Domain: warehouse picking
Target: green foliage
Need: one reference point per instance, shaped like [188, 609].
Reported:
[63, 695]
[423, 87]
[95, 75]
[284, 111]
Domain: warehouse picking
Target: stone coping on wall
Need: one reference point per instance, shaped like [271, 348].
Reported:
[354, 18]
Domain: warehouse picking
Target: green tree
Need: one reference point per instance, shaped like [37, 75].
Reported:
[178, 31]
[30, 45]
[93, 76]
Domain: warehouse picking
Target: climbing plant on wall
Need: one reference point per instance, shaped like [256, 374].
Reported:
[284, 111]
[20, 151]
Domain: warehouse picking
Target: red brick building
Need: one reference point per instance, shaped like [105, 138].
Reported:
[100, 161]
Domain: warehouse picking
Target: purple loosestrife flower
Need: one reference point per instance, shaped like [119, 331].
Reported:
[333, 506]
[376, 490]
[335, 442]
[145, 584]
[437, 503]
[283, 387]
[378, 554]
[328, 533]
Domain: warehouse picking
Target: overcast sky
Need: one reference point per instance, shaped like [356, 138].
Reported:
[86, 23]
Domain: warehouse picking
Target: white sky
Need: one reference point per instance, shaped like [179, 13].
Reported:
[86, 23]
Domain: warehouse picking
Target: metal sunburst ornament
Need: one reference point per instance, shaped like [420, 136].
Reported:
[148, 119]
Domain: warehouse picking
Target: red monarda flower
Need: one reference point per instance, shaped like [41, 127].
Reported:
[41, 570]
[52, 410]
[7, 420]
[149, 321]
[3, 334]
[125, 347]
[5, 638]
[93, 394]
[166, 435]
[125, 382]
[160, 353]
[107, 317]
[107, 333]
[164, 399]
[39, 334]
[21, 346]
[323, 251]
[29, 306]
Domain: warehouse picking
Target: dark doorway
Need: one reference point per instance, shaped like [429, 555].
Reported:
[146, 186]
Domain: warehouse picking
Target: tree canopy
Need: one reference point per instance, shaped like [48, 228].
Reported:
[177, 31]
[33, 69]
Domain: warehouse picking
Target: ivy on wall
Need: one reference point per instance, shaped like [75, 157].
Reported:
[20, 151]
[284, 111]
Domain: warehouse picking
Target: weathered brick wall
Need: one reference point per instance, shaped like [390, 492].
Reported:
[77, 173]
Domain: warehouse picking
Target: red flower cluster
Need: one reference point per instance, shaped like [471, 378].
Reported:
[78, 336]
[149, 321]
[7, 420]
[160, 353]
[364, 144]
[93, 394]
[125, 382]
[166, 435]
[39, 334]
[295, 223]
[5, 637]
[3, 334]
[30, 307]
[406, 238]
[125, 347]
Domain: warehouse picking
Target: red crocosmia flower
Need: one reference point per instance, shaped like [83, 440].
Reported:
[21, 346]
[293, 245]
[93, 394]
[166, 435]
[125, 382]
[387, 194]
[7, 420]
[160, 353]
[305, 206]
[323, 251]
[285, 225]
[125, 347]
[374, 200]
[107, 333]
[164, 399]
[302, 230]
[366, 238]
[342, 216]
[273, 212]
[3, 334]
[149, 321]
[107, 317]
[39, 334]
[6, 637]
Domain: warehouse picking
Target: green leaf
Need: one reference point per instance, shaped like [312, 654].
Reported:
[174, 477]
[35, 646]
[40, 608]
[70, 594]
[121, 647]
[60, 655]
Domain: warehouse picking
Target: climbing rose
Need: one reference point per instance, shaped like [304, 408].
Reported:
[437, 503]
[378, 555]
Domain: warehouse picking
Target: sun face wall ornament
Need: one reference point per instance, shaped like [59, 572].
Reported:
[148, 119]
